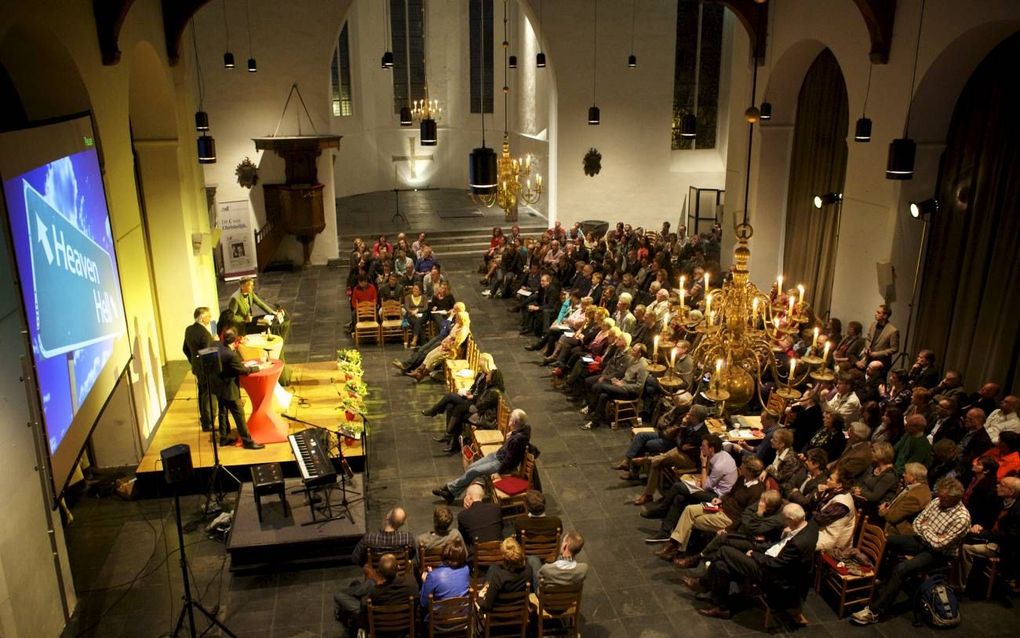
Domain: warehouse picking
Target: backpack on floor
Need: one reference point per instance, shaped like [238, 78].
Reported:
[935, 603]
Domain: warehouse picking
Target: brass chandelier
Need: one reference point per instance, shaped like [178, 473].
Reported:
[517, 178]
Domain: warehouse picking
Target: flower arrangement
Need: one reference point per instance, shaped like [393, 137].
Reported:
[353, 391]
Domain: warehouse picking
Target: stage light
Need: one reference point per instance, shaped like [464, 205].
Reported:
[927, 207]
[826, 199]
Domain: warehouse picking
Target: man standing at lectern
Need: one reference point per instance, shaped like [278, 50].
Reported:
[243, 303]
[197, 337]
[228, 392]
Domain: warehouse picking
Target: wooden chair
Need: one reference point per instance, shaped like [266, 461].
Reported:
[624, 411]
[454, 368]
[452, 616]
[497, 436]
[401, 553]
[508, 617]
[432, 557]
[365, 323]
[391, 324]
[513, 504]
[851, 589]
[559, 606]
[486, 553]
[777, 405]
[990, 572]
[544, 545]
[390, 620]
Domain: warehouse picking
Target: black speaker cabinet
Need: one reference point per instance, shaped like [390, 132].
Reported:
[176, 464]
[210, 361]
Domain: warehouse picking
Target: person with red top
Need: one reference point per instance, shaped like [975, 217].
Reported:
[381, 243]
[364, 291]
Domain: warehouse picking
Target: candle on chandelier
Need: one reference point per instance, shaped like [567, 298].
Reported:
[814, 342]
[792, 302]
[708, 304]
[800, 294]
[793, 368]
[682, 295]
[706, 283]
[655, 347]
[672, 357]
[779, 285]
[683, 281]
[538, 180]
[825, 353]
[754, 310]
[711, 318]
[718, 369]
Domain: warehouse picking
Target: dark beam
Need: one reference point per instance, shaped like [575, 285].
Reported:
[754, 16]
[110, 16]
[878, 16]
[176, 15]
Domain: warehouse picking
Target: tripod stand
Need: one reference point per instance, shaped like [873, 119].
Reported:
[214, 493]
[190, 605]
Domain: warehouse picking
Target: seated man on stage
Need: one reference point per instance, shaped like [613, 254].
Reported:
[243, 304]
[228, 392]
[198, 337]
[783, 567]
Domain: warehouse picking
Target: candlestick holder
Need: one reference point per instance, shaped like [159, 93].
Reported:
[825, 374]
[789, 393]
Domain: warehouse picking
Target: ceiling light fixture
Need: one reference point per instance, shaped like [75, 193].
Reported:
[862, 130]
[922, 209]
[827, 199]
[206, 145]
[900, 164]
[689, 122]
[228, 57]
[632, 59]
[252, 66]
[387, 56]
[482, 160]
[540, 56]
[594, 115]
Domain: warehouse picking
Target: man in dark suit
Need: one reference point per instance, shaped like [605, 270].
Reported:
[882, 341]
[974, 443]
[923, 373]
[785, 566]
[535, 521]
[228, 393]
[481, 520]
[856, 457]
[198, 337]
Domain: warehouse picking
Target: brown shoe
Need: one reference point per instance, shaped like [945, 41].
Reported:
[668, 552]
[686, 562]
[629, 476]
[641, 500]
[622, 465]
[694, 584]
[716, 612]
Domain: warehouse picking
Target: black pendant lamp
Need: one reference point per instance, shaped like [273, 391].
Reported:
[482, 170]
[228, 57]
[387, 60]
[900, 164]
[201, 121]
[594, 115]
[206, 149]
[765, 111]
[540, 56]
[632, 59]
[511, 61]
[406, 119]
[429, 132]
[387, 56]
[252, 65]
[689, 126]
[862, 130]
[206, 144]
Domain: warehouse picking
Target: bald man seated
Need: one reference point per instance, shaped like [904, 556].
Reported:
[481, 520]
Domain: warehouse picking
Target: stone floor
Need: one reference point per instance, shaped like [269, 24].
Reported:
[125, 564]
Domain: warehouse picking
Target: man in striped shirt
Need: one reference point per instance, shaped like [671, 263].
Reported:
[938, 529]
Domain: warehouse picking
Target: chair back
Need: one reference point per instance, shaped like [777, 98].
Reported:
[365, 311]
[452, 616]
[432, 557]
[561, 603]
[872, 543]
[391, 310]
[509, 615]
[402, 555]
[776, 405]
[543, 544]
[486, 553]
[503, 416]
[391, 620]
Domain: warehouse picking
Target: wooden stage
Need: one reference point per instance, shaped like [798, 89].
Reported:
[315, 400]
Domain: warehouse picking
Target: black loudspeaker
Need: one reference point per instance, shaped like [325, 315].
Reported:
[176, 464]
[210, 361]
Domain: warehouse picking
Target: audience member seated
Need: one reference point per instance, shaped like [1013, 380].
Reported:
[908, 502]
[783, 568]
[835, 513]
[938, 531]
[480, 520]
[535, 520]
[627, 387]
[924, 374]
[388, 588]
[478, 404]
[913, 446]
[786, 467]
[979, 497]
[763, 450]
[1006, 454]
[1004, 419]
[831, 437]
[950, 387]
[718, 476]
[806, 421]
[450, 580]
[984, 398]
[508, 457]
[1001, 538]
[416, 315]
[390, 537]
[921, 404]
[870, 387]
[418, 357]
[565, 571]
[760, 526]
[512, 575]
[974, 443]
[891, 427]
[879, 483]
[684, 457]
[947, 424]
[845, 402]
[856, 456]
[895, 391]
[441, 532]
[848, 349]
[447, 349]
[944, 454]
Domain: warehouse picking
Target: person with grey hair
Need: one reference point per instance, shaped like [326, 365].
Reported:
[509, 456]
[783, 567]
[1001, 540]
[899, 512]
[855, 459]
[938, 531]
[623, 316]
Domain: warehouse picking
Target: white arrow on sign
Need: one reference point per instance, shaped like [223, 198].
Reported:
[44, 238]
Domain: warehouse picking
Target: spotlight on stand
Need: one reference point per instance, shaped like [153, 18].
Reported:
[827, 199]
[689, 126]
[429, 132]
[201, 121]
[540, 60]
[862, 130]
[921, 209]
[406, 119]
[765, 111]
[206, 149]
[252, 66]
[593, 115]
[387, 60]
[228, 60]
[482, 171]
[901, 159]
[632, 60]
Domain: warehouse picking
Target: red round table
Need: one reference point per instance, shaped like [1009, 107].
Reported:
[264, 425]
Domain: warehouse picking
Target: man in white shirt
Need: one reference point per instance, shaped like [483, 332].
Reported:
[845, 401]
[1004, 419]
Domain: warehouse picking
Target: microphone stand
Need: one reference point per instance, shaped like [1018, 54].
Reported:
[214, 493]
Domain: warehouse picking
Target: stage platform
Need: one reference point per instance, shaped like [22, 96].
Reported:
[284, 540]
[314, 401]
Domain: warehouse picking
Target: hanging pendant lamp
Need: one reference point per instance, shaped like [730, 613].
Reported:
[540, 56]
[900, 164]
[228, 57]
[429, 132]
[406, 119]
[632, 59]
[765, 111]
[594, 115]
[482, 160]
